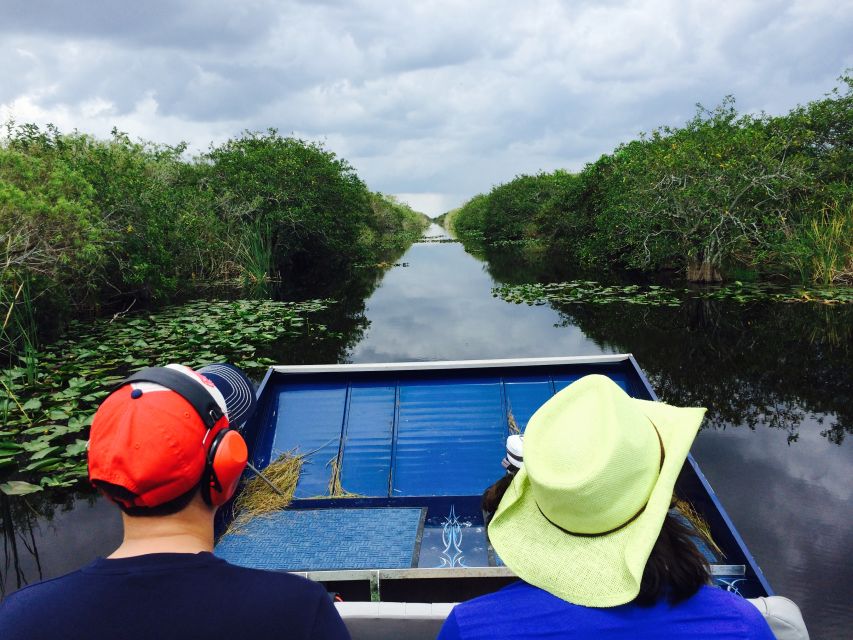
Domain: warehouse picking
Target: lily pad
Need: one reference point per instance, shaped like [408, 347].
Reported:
[18, 488]
[80, 369]
[33, 404]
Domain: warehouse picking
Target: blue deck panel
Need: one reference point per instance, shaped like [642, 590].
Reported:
[525, 395]
[450, 437]
[562, 381]
[366, 462]
[309, 420]
[377, 538]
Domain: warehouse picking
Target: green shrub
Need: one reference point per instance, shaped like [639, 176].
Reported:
[92, 224]
[725, 192]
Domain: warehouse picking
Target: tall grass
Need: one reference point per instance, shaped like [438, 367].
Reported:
[255, 253]
[19, 332]
[18, 343]
[829, 239]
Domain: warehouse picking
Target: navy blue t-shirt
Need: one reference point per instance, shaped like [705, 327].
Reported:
[524, 611]
[170, 595]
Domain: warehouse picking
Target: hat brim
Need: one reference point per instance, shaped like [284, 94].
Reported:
[594, 571]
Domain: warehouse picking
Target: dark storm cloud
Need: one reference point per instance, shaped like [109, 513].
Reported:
[185, 24]
[437, 96]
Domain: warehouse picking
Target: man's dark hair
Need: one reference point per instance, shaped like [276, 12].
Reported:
[121, 495]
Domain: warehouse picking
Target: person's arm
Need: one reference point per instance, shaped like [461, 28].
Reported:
[450, 628]
[328, 624]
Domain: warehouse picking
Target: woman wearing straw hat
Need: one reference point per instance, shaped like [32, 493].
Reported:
[584, 523]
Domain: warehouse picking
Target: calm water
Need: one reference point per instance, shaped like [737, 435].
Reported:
[776, 379]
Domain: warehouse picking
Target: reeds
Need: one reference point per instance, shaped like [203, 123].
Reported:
[19, 332]
[831, 242]
[258, 499]
[255, 253]
[18, 341]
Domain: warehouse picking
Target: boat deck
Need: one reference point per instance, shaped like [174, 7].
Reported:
[413, 446]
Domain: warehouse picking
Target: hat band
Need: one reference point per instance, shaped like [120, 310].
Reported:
[629, 520]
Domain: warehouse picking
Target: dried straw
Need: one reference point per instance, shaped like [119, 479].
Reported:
[258, 499]
[336, 490]
[513, 425]
[699, 524]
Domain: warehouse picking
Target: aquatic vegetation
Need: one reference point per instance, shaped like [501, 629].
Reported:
[587, 291]
[524, 242]
[438, 240]
[592, 292]
[45, 422]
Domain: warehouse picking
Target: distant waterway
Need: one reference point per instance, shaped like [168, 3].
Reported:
[776, 379]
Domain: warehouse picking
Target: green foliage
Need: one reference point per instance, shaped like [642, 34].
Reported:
[46, 420]
[725, 192]
[88, 225]
[393, 226]
[718, 189]
[92, 224]
[469, 221]
[512, 210]
[310, 202]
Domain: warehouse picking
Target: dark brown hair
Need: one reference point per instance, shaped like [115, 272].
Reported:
[121, 495]
[676, 569]
[492, 497]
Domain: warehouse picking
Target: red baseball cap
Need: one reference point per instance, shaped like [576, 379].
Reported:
[151, 441]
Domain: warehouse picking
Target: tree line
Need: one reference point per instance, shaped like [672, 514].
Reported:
[87, 224]
[727, 194]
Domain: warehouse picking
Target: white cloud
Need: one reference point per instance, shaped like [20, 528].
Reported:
[439, 98]
[432, 204]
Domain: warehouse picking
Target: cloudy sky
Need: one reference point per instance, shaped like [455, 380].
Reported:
[432, 100]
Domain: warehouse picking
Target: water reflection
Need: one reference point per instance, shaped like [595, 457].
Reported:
[440, 307]
[46, 535]
[773, 365]
[792, 504]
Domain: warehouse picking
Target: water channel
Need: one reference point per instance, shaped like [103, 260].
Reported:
[776, 379]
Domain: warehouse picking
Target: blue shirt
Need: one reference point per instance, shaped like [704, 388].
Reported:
[170, 595]
[524, 611]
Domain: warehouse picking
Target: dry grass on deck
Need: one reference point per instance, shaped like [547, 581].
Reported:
[258, 499]
[699, 524]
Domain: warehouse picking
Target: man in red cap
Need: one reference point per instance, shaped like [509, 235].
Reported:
[166, 449]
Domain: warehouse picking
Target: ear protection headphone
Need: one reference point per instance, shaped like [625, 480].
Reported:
[226, 454]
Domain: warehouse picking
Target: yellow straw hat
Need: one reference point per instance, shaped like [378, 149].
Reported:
[581, 517]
